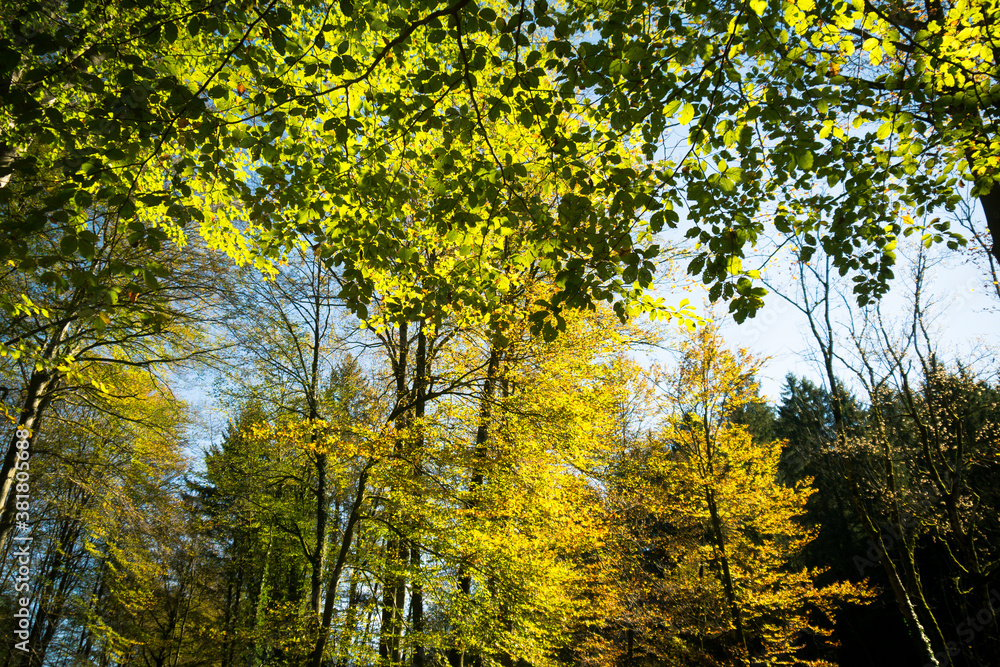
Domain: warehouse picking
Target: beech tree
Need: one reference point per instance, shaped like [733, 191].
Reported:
[105, 519]
[712, 570]
[876, 102]
[77, 316]
[844, 122]
[223, 106]
[927, 425]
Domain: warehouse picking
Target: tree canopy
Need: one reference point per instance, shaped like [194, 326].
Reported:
[557, 125]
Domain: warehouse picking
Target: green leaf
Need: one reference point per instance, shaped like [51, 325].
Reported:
[68, 245]
[804, 158]
[687, 114]
[170, 32]
[875, 55]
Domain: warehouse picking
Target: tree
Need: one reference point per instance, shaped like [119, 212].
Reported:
[216, 105]
[920, 452]
[716, 533]
[105, 522]
[876, 102]
[92, 116]
[77, 316]
[866, 454]
[228, 104]
[805, 422]
[232, 507]
[291, 359]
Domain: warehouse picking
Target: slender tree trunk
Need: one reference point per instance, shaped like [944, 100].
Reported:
[35, 402]
[259, 592]
[455, 657]
[505, 658]
[316, 659]
[227, 625]
[727, 577]
[86, 635]
[397, 553]
[347, 632]
[393, 602]
[318, 557]
[421, 371]
[187, 582]
[417, 611]
[234, 597]
[53, 594]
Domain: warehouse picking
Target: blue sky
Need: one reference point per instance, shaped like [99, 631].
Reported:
[964, 315]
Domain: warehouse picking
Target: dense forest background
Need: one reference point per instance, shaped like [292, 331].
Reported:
[416, 256]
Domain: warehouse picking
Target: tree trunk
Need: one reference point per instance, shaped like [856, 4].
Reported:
[421, 371]
[35, 402]
[417, 611]
[991, 209]
[318, 557]
[316, 659]
[52, 595]
[727, 577]
[397, 553]
[347, 633]
[455, 657]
